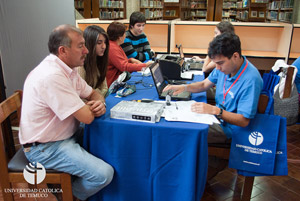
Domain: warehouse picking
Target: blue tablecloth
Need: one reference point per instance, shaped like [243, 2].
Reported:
[165, 161]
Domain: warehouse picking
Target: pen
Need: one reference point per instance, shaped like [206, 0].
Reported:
[176, 106]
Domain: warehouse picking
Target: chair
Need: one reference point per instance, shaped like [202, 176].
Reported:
[222, 150]
[11, 167]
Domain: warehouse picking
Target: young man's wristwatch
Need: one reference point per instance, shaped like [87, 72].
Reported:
[219, 116]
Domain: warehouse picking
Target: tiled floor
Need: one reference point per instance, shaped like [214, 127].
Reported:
[227, 184]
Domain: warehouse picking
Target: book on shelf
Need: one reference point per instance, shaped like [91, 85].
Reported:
[111, 14]
[253, 13]
[170, 13]
[150, 3]
[111, 4]
[229, 5]
[261, 14]
[79, 4]
[144, 3]
[259, 1]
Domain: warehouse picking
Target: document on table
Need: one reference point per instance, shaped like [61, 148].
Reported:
[181, 111]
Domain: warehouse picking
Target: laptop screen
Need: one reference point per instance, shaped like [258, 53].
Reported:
[157, 76]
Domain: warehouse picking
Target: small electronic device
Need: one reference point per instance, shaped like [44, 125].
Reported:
[191, 64]
[160, 83]
[137, 111]
[174, 67]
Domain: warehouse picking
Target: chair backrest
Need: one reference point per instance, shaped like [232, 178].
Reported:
[270, 81]
[9, 106]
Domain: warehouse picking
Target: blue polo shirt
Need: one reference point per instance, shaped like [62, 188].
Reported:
[297, 79]
[243, 96]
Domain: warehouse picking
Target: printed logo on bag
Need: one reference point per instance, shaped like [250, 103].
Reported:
[34, 173]
[256, 138]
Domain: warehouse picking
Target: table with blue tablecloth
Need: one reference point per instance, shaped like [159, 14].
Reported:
[164, 161]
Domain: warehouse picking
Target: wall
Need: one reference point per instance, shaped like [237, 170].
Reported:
[131, 6]
[296, 13]
[25, 27]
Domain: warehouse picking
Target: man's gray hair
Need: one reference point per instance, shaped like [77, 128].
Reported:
[60, 37]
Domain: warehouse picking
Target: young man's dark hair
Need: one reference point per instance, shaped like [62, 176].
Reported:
[225, 44]
[136, 17]
[225, 27]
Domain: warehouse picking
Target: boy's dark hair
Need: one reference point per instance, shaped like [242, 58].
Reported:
[225, 27]
[136, 17]
[225, 44]
[115, 30]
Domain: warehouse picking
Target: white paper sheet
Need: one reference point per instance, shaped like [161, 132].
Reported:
[181, 111]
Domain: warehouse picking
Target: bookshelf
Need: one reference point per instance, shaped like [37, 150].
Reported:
[83, 7]
[229, 10]
[174, 9]
[199, 10]
[152, 9]
[251, 11]
[280, 10]
[109, 9]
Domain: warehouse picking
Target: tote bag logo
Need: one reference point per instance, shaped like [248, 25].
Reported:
[34, 173]
[256, 138]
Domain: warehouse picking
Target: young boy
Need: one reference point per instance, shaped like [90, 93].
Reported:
[136, 44]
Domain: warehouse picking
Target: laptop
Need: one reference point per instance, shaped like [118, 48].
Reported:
[160, 83]
[191, 64]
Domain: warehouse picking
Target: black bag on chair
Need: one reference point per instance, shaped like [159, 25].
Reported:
[287, 107]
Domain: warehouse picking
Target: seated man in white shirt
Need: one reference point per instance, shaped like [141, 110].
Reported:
[52, 109]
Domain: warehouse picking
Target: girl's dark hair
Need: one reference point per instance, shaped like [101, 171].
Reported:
[95, 66]
[115, 30]
[225, 27]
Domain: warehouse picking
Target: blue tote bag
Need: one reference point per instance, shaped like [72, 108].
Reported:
[281, 165]
[253, 148]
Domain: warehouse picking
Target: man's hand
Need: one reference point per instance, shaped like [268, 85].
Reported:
[176, 89]
[97, 107]
[204, 108]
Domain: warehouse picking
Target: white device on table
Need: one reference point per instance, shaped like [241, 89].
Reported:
[137, 111]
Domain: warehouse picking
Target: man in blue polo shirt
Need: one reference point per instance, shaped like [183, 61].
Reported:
[238, 86]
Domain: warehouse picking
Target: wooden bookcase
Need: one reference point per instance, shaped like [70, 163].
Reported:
[83, 7]
[174, 9]
[280, 10]
[199, 10]
[109, 9]
[229, 10]
[251, 11]
[152, 9]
